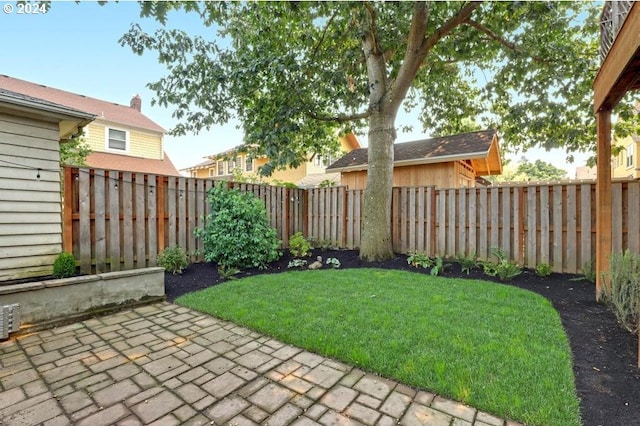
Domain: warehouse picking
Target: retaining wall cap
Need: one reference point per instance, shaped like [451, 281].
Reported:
[19, 288]
[71, 280]
[131, 273]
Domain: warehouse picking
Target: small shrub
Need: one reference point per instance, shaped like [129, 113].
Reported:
[173, 259]
[504, 269]
[64, 266]
[438, 266]
[333, 262]
[299, 246]
[227, 273]
[237, 233]
[624, 288]
[297, 263]
[420, 260]
[543, 270]
[467, 263]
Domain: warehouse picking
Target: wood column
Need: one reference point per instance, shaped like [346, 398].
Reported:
[603, 202]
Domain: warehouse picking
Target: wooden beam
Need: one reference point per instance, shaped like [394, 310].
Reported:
[615, 78]
[603, 202]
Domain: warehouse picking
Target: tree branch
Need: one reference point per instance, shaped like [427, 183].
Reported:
[374, 57]
[506, 43]
[343, 118]
[418, 46]
[324, 33]
[455, 21]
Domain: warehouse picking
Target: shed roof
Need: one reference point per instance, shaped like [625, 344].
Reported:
[103, 110]
[481, 148]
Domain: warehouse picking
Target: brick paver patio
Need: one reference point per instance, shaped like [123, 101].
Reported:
[168, 365]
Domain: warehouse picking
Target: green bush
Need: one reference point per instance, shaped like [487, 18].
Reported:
[467, 263]
[504, 269]
[543, 269]
[237, 234]
[438, 266]
[173, 259]
[416, 260]
[64, 266]
[624, 288]
[299, 246]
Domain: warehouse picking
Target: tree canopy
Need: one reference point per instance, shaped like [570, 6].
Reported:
[296, 73]
[525, 171]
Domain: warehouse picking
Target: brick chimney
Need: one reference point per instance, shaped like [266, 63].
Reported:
[136, 103]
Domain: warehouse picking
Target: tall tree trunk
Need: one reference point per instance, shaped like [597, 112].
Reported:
[376, 241]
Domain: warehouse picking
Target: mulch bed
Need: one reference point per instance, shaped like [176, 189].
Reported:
[605, 355]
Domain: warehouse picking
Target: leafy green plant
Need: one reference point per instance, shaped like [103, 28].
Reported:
[64, 265]
[326, 184]
[589, 271]
[173, 259]
[438, 266]
[504, 269]
[624, 288]
[227, 273]
[299, 246]
[297, 263]
[467, 262]
[321, 244]
[237, 233]
[544, 269]
[333, 262]
[416, 260]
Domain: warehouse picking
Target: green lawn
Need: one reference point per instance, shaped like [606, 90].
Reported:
[495, 347]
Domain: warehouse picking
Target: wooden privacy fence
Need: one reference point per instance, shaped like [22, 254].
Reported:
[117, 220]
[550, 223]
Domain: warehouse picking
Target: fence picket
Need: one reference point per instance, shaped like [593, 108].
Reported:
[586, 225]
[127, 220]
[113, 197]
[558, 228]
[140, 208]
[532, 213]
[100, 235]
[84, 231]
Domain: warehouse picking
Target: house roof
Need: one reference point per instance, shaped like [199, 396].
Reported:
[103, 110]
[203, 165]
[69, 119]
[104, 160]
[481, 148]
[349, 139]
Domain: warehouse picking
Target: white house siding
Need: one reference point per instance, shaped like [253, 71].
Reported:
[30, 207]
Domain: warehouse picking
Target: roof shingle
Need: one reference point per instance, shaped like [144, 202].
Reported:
[429, 150]
[104, 160]
[103, 110]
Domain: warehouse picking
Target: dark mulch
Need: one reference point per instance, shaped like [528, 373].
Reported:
[605, 355]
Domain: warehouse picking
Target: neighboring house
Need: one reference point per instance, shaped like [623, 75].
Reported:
[30, 206]
[626, 164]
[308, 174]
[586, 173]
[120, 138]
[446, 162]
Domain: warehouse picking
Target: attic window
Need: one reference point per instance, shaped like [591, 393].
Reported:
[117, 139]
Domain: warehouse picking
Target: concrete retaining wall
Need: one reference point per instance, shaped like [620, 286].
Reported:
[53, 300]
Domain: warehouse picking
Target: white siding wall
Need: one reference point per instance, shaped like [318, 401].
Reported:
[30, 208]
